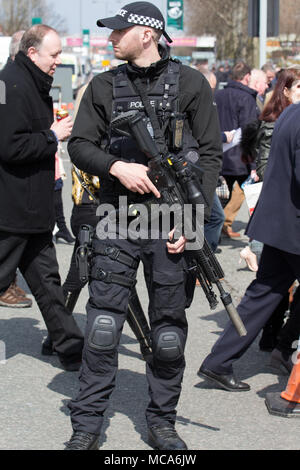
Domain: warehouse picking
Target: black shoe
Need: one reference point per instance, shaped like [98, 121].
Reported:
[165, 437]
[83, 441]
[226, 381]
[64, 235]
[47, 347]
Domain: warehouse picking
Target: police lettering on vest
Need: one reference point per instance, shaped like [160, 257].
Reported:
[139, 104]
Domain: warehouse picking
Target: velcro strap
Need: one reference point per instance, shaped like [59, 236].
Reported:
[118, 255]
[113, 278]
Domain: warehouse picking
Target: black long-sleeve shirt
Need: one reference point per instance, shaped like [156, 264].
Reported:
[195, 99]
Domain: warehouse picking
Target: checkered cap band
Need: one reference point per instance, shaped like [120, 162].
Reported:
[145, 20]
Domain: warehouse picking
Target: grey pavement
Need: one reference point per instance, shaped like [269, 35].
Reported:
[34, 390]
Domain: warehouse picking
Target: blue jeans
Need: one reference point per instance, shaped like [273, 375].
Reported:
[212, 229]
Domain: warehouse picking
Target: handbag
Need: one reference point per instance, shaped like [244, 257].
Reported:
[252, 192]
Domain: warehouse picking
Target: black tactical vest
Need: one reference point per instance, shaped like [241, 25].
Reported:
[163, 96]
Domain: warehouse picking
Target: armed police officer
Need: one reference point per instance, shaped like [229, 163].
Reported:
[94, 147]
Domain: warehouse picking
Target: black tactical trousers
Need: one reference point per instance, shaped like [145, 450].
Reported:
[106, 313]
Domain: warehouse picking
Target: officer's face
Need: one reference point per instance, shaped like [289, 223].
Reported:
[127, 43]
[47, 55]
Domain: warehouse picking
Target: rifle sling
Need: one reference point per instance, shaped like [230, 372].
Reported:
[157, 130]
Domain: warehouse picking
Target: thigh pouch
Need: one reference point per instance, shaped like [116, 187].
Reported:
[115, 254]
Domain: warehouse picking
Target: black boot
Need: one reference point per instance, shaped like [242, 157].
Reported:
[138, 323]
[70, 302]
[65, 235]
[165, 437]
[83, 441]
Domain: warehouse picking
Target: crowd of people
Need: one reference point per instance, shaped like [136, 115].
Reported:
[241, 133]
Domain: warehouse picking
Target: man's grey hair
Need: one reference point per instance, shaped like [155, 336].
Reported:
[268, 66]
[34, 36]
[255, 75]
[15, 44]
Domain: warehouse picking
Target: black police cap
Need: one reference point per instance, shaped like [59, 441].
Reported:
[136, 13]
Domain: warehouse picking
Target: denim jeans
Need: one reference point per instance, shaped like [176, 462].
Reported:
[213, 228]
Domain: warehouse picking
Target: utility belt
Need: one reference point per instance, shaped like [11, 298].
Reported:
[132, 209]
[85, 252]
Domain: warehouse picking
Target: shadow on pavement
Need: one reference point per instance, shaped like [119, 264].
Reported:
[233, 242]
[130, 398]
[277, 387]
[22, 335]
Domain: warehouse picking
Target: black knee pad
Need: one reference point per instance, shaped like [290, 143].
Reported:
[103, 335]
[168, 347]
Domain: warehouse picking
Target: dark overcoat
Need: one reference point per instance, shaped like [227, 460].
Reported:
[236, 105]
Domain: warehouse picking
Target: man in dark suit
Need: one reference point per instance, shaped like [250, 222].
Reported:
[276, 223]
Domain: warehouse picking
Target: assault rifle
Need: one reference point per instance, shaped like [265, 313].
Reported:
[178, 184]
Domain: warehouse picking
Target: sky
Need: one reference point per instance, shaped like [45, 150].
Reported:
[83, 14]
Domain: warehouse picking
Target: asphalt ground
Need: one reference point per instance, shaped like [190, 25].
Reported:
[35, 390]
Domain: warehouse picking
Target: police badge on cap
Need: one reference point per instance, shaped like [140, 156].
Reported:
[137, 13]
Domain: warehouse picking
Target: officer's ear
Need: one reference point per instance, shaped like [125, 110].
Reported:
[147, 35]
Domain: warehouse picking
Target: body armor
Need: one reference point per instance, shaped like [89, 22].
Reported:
[163, 97]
